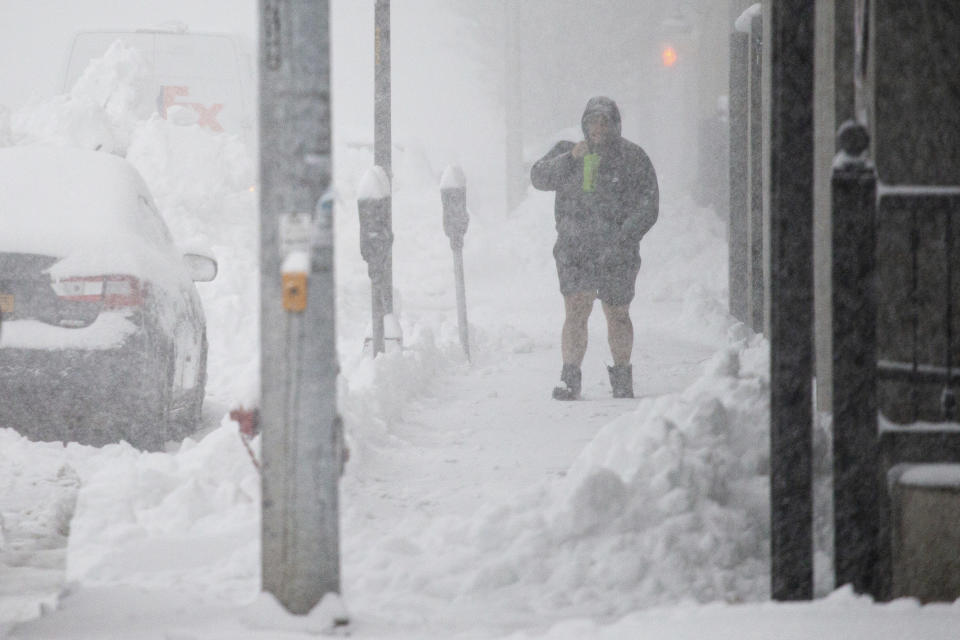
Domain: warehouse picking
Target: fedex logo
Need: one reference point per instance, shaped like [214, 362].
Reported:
[208, 115]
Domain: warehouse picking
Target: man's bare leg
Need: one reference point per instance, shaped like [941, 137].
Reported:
[573, 339]
[573, 343]
[619, 333]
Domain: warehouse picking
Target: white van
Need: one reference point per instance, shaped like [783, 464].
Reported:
[209, 73]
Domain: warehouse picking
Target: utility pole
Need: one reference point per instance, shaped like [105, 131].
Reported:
[301, 431]
[757, 291]
[516, 178]
[382, 132]
[738, 234]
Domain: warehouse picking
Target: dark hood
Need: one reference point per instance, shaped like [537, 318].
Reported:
[604, 106]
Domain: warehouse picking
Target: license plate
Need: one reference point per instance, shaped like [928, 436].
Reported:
[6, 302]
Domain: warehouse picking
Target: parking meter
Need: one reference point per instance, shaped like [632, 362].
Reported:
[376, 241]
[376, 236]
[453, 195]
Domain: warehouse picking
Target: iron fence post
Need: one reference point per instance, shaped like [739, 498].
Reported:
[791, 299]
[857, 476]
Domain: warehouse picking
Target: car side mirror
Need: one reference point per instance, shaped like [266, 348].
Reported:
[202, 268]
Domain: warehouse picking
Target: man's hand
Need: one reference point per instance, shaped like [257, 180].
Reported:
[580, 150]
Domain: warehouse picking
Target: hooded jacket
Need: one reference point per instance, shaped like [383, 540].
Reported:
[612, 208]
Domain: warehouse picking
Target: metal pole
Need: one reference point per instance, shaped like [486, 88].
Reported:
[513, 79]
[461, 300]
[791, 299]
[738, 230]
[302, 441]
[857, 473]
[755, 267]
[377, 313]
[382, 128]
[843, 48]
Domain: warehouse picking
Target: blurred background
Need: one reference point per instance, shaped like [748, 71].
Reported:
[489, 85]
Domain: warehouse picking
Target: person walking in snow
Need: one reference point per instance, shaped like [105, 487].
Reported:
[606, 200]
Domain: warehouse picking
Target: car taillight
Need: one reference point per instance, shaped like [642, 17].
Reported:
[114, 292]
[88, 289]
[82, 299]
[120, 292]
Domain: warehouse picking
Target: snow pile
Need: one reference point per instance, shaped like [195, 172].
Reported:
[679, 490]
[38, 490]
[267, 614]
[6, 133]
[374, 392]
[681, 256]
[189, 519]
[686, 247]
[666, 504]
[841, 615]
[99, 113]
[203, 184]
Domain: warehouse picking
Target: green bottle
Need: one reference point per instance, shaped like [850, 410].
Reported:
[590, 163]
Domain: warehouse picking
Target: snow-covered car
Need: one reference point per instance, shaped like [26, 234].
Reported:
[102, 333]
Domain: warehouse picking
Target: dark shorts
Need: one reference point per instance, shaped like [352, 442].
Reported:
[611, 274]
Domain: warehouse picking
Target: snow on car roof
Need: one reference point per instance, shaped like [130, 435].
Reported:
[70, 202]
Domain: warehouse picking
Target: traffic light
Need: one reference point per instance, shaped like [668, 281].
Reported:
[668, 55]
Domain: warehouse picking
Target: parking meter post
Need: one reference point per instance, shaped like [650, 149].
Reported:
[453, 196]
[376, 313]
[461, 301]
[301, 439]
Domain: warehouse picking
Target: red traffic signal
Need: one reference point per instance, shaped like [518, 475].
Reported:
[668, 55]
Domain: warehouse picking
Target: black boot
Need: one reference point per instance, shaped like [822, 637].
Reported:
[570, 389]
[621, 379]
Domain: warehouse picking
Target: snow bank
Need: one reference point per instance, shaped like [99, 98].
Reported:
[99, 113]
[188, 519]
[38, 490]
[842, 615]
[684, 258]
[678, 488]
[6, 134]
[666, 504]
[203, 184]
[374, 392]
